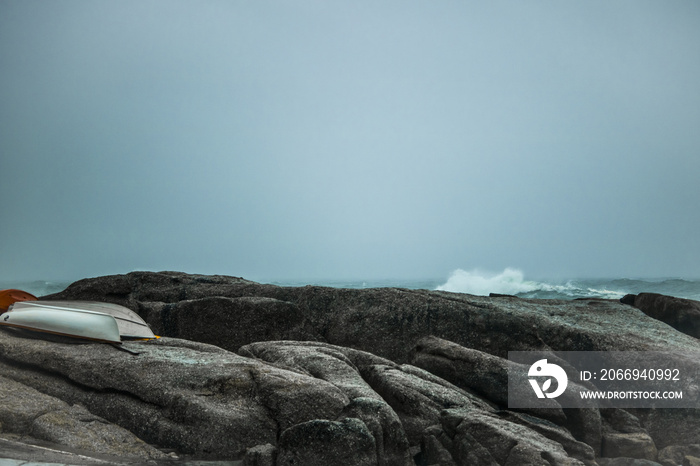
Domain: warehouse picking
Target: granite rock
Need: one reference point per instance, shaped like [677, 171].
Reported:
[264, 374]
[681, 314]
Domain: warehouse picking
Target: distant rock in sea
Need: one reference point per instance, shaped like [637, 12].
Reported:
[312, 375]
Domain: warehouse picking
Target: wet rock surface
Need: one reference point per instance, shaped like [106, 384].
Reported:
[259, 374]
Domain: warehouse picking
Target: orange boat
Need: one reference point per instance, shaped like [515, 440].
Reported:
[9, 297]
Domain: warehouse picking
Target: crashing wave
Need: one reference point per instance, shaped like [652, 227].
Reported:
[512, 281]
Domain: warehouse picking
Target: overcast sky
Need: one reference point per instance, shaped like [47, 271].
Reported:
[349, 139]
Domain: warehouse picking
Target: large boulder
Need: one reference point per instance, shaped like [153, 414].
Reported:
[28, 412]
[681, 314]
[342, 367]
[487, 375]
[481, 439]
[629, 445]
[396, 402]
[322, 442]
[676, 454]
[228, 322]
[409, 409]
[176, 394]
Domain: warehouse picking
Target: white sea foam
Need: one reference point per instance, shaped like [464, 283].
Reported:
[510, 281]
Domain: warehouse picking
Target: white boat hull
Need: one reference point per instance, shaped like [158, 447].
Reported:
[130, 324]
[73, 323]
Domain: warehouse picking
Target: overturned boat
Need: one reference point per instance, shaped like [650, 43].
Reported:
[80, 319]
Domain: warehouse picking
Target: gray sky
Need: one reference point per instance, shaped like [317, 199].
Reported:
[349, 139]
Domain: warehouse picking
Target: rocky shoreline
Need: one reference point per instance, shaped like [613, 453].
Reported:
[255, 374]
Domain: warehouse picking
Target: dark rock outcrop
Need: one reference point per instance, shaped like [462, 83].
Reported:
[676, 454]
[27, 411]
[312, 375]
[175, 394]
[322, 442]
[343, 367]
[487, 375]
[629, 445]
[681, 314]
[628, 299]
[384, 321]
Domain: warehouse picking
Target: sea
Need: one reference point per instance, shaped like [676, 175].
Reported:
[510, 281]
[514, 282]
